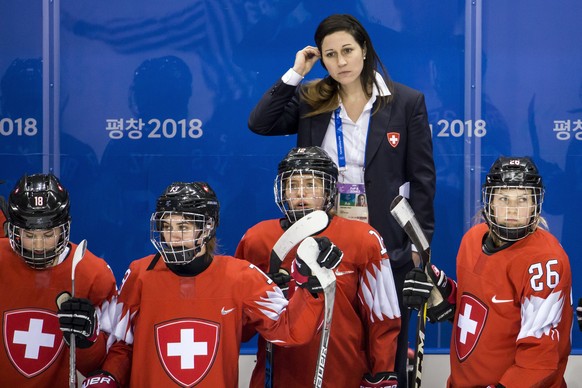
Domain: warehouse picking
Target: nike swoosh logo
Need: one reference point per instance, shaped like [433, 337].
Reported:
[340, 273]
[495, 300]
[224, 311]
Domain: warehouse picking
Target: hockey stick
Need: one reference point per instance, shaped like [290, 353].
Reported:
[77, 257]
[308, 251]
[404, 215]
[306, 226]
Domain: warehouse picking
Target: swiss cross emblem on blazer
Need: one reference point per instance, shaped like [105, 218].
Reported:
[472, 316]
[187, 348]
[393, 138]
[33, 339]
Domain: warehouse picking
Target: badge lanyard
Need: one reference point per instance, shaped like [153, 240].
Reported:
[339, 137]
[347, 192]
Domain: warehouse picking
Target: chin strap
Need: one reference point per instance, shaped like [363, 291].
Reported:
[154, 262]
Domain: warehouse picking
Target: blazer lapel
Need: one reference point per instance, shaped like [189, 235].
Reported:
[319, 126]
[377, 132]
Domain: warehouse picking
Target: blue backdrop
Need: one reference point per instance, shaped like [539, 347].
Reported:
[121, 98]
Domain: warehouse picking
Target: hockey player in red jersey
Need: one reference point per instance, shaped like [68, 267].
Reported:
[511, 308]
[366, 317]
[36, 268]
[178, 320]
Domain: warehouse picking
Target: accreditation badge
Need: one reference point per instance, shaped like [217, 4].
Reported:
[352, 202]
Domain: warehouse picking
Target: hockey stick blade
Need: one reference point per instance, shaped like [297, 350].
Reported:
[309, 225]
[404, 215]
[308, 251]
[77, 257]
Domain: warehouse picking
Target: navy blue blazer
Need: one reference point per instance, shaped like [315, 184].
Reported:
[281, 112]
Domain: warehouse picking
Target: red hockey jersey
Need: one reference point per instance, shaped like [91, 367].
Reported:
[513, 313]
[33, 353]
[366, 317]
[187, 330]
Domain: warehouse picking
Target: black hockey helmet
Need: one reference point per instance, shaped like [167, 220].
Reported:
[310, 161]
[195, 197]
[38, 202]
[308, 158]
[513, 173]
[195, 201]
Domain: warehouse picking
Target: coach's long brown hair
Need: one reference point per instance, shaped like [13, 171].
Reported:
[323, 94]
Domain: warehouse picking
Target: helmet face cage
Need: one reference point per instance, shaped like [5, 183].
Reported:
[512, 212]
[513, 194]
[300, 192]
[179, 236]
[39, 248]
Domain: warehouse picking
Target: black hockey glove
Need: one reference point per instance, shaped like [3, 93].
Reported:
[416, 289]
[329, 257]
[432, 286]
[379, 380]
[77, 316]
[441, 303]
[579, 313]
[100, 379]
[281, 279]
[329, 254]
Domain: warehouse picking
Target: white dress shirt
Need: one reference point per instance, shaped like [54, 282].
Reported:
[354, 133]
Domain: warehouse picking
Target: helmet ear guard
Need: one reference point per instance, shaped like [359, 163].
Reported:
[517, 173]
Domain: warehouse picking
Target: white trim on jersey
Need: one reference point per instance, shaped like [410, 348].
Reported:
[381, 296]
[539, 316]
[275, 302]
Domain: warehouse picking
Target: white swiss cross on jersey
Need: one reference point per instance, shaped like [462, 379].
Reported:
[472, 315]
[33, 339]
[187, 348]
